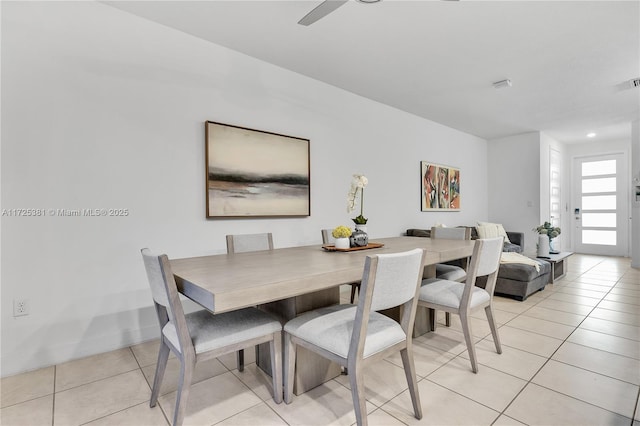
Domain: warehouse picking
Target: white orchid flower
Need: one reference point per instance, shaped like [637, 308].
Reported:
[358, 183]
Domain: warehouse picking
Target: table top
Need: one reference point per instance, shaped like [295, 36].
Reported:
[227, 282]
[556, 257]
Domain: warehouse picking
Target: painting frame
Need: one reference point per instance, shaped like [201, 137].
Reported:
[255, 174]
[439, 187]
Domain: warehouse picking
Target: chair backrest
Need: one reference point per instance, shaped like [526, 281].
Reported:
[389, 280]
[451, 233]
[173, 324]
[249, 242]
[327, 237]
[485, 260]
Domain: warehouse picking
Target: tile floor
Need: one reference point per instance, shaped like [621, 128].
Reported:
[571, 356]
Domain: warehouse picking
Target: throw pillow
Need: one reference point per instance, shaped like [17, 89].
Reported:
[499, 229]
[487, 231]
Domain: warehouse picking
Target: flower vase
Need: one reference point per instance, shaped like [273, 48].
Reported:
[552, 249]
[543, 245]
[359, 237]
[342, 243]
[361, 227]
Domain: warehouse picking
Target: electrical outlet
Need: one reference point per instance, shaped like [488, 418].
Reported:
[20, 307]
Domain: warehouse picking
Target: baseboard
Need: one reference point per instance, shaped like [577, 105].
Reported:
[58, 354]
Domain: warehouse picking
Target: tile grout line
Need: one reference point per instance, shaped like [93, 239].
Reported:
[111, 414]
[549, 359]
[503, 412]
[517, 315]
[53, 397]
[485, 366]
[150, 386]
[103, 378]
[635, 410]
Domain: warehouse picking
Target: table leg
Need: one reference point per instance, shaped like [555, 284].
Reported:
[425, 318]
[311, 369]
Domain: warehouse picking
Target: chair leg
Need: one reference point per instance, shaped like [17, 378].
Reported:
[494, 328]
[289, 367]
[240, 357]
[276, 366]
[433, 319]
[410, 373]
[447, 319]
[357, 394]
[184, 385]
[468, 338]
[161, 366]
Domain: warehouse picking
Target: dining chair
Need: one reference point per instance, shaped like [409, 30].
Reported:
[464, 298]
[446, 271]
[356, 336]
[242, 243]
[327, 238]
[201, 335]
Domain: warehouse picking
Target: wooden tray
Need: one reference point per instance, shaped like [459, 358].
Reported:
[331, 247]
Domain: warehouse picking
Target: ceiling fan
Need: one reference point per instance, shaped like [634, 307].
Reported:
[328, 6]
[325, 8]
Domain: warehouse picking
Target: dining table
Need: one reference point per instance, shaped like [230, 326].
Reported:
[291, 280]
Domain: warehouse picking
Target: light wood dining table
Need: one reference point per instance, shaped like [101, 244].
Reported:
[292, 280]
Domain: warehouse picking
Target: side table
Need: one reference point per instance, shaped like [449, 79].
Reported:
[559, 265]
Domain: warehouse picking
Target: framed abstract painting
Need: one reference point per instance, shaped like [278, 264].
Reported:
[440, 187]
[251, 173]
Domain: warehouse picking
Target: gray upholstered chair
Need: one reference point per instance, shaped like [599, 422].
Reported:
[445, 271]
[355, 336]
[200, 335]
[242, 243]
[464, 298]
[327, 238]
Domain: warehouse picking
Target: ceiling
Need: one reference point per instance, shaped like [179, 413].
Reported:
[569, 61]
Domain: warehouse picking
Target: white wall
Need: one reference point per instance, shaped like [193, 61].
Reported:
[102, 109]
[514, 182]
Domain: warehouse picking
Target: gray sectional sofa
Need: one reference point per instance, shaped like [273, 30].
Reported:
[515, 280]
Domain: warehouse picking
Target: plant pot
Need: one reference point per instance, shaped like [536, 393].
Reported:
[543, 245]
[361, 227]
[359, 238]
[342, 243]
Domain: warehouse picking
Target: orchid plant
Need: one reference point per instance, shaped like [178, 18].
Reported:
[358, 184]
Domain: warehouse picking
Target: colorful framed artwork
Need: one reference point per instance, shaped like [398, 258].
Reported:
[251, 173]
[440, 187]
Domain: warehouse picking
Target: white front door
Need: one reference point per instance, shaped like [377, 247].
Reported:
[601, 205]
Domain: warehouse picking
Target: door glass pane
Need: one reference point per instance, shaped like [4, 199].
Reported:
[606, 238]
[599, 220]
[598, 185]
[594, 168]
[599, 202]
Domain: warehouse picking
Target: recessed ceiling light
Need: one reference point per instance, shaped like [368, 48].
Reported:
[591, 135]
